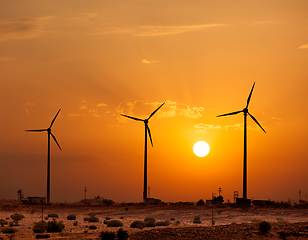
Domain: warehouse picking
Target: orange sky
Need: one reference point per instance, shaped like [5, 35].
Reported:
[96, 59]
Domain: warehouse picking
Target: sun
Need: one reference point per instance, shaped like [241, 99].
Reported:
[201, 149]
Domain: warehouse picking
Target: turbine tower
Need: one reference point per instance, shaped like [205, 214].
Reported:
[147, 130]
[48, 130]
[245, 111]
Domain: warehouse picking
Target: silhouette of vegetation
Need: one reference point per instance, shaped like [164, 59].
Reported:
[40, 236]
[55, 226]
[264, 227]
[137, 224]
[149, 219]
[197, 219]
[93, 219]
[86, 219]
[9, 230]
[122, 234]
[39, 227]
[75, 223]
[106, 235]
[71, 217]
[150, 223]
[163, 223]
[201, 202]
[92, 227]
[114, 223]
[108, 202]
[3, 222]
[17, 217]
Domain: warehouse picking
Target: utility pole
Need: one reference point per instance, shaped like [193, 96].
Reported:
[299, 192]
[149, 192]
[85, 195]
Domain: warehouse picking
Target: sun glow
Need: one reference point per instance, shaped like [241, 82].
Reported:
[201, 149]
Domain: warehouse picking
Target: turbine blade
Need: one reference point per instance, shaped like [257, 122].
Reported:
[137, 119]
[54, 138]
[55, 118]
[155, 111]
[36, 130]
[256, 121]
[149, 134]
[248, 100]
[232, 113]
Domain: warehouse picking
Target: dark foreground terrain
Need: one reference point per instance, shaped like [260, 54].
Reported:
[230, 223]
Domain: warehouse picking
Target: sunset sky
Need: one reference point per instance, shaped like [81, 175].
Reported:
[96, 59]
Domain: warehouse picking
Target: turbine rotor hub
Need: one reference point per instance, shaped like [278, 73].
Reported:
[245, 110]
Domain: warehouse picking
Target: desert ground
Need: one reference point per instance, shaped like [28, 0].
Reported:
[230, 223]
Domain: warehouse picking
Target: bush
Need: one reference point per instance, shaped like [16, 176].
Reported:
[150, 219]
[197, 219]
[93, 227]
[3, 222]
[137, 224]
[39, 227]
[201, 202]
[106, 221]
[75, 223]
[86, 219]
[114, 223]
[264, 227]
[40, 236]
[107, 218]
[8, 230]
[55, 226]
[163, 223]
[122, 234]
[71, 217]
[150, 224]
[16, 217]
[107, 235]
[93, 219]
[172, 219]
[53, 215]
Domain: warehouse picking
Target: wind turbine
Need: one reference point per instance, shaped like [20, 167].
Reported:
[48, 130]
[147, 130]
[245, 111]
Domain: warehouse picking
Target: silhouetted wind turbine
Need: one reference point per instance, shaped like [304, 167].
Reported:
[245, 111]
[48, 130]
[147, 130]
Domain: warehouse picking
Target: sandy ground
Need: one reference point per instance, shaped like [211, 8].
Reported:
[230, 223]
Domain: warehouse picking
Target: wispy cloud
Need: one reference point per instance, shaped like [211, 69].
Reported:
[151, 30]
[148, 62]
[170, 30]
[305, 46]
[29, 104]
[170, 109]
[22, 28]
[203, 128]
[101, 104]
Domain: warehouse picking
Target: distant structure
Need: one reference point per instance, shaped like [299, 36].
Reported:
[34, 200]
[85, 195]
[147, 130]
[20, 195]
[48, 130]
[245, 201]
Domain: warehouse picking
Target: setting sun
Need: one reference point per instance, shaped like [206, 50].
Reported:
[201, 149]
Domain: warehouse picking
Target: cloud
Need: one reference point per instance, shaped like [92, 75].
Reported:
[151, 30]
[73, 114]
[6, 60]
[29, 104]
[170, 109]
[170, 30]
[305, 46]
[83, 107]
[22, 28]
[101, 104]
[148, 62]
[203, 128]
